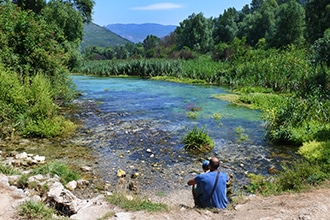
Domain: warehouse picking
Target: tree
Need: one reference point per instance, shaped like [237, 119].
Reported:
[256, 5]
[63, 17]
[289, 32]
[317, 19]
[151, 42]
[226, 28]
[321, 49]
[28, 45]
[34, 5]
[195, 32]
[258, 24]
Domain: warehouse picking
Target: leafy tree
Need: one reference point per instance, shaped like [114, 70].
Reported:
[317, 19]
[226, 26]
[321, 49]
[195, 32]
[256, 5]
[34, 5]
[28, 44]
[289, 32]
[63, 17]
[121, 52]
[150, 42]
[258, 24]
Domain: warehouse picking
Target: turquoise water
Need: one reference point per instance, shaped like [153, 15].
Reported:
[140, 123]
[169, 102]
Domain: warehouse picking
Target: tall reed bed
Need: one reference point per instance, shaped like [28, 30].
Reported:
[141, 68]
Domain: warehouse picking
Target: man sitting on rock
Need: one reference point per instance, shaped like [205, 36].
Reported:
[213, 187]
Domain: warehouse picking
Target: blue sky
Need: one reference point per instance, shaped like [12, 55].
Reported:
[167, 12]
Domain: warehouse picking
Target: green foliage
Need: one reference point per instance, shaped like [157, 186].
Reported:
[136, 203]
[195, 32]
[28, 44]
[54, 168]
[35, 210]
[295, 177]
[217, 116]
[315, 151]
[192, 114]
[203, 68]
[321, 49]
[287, 33]
[7, 170]
[28, 108]
[300, 175]
[282, 71]
[262, 101]
[142, 68]
[197, 140]
[317, 17]
[226, 27]
[65, 18]
[261, 184]
[298, 120]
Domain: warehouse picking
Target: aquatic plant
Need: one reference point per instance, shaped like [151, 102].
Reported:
[192, 115]
[217, 116]
[197, 140]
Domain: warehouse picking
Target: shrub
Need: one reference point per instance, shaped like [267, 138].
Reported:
[197, 140]
[315, 151]
[27, 107]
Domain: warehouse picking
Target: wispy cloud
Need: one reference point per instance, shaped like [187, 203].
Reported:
[159, 6]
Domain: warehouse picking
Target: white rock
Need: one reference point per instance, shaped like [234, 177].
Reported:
[23, 155]
[123, 216]
[72, 185]
[86, 168]
[39, 159]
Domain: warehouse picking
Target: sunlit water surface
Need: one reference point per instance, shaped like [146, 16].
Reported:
[163, 107]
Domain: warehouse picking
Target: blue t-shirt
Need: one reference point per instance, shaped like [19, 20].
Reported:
[206, 183]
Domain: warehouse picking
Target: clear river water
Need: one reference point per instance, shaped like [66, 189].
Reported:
[139, 125]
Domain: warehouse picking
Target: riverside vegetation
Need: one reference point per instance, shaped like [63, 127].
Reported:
[288, 81]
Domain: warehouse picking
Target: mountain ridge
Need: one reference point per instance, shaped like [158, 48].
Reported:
[138, 32]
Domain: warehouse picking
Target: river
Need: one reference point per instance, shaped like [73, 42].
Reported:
[137, 126]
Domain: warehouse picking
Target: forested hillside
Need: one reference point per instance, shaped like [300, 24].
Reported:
[95, 35]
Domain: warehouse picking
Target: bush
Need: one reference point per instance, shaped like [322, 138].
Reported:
[315, 151]
[298, 120]
[27, 107]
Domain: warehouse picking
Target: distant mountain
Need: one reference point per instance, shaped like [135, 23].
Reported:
[139, 32]
[95, 35]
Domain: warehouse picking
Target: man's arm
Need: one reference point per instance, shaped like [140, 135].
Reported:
[191, 182]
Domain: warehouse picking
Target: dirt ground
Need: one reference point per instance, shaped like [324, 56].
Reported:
[314, 204]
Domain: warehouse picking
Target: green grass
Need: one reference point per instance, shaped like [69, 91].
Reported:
[35, 210]
[136, 203]
[7, 170]
[54, 168]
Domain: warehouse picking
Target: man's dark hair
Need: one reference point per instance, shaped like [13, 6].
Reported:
[214, 163]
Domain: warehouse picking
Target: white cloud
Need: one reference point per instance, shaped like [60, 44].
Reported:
[159, 6]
